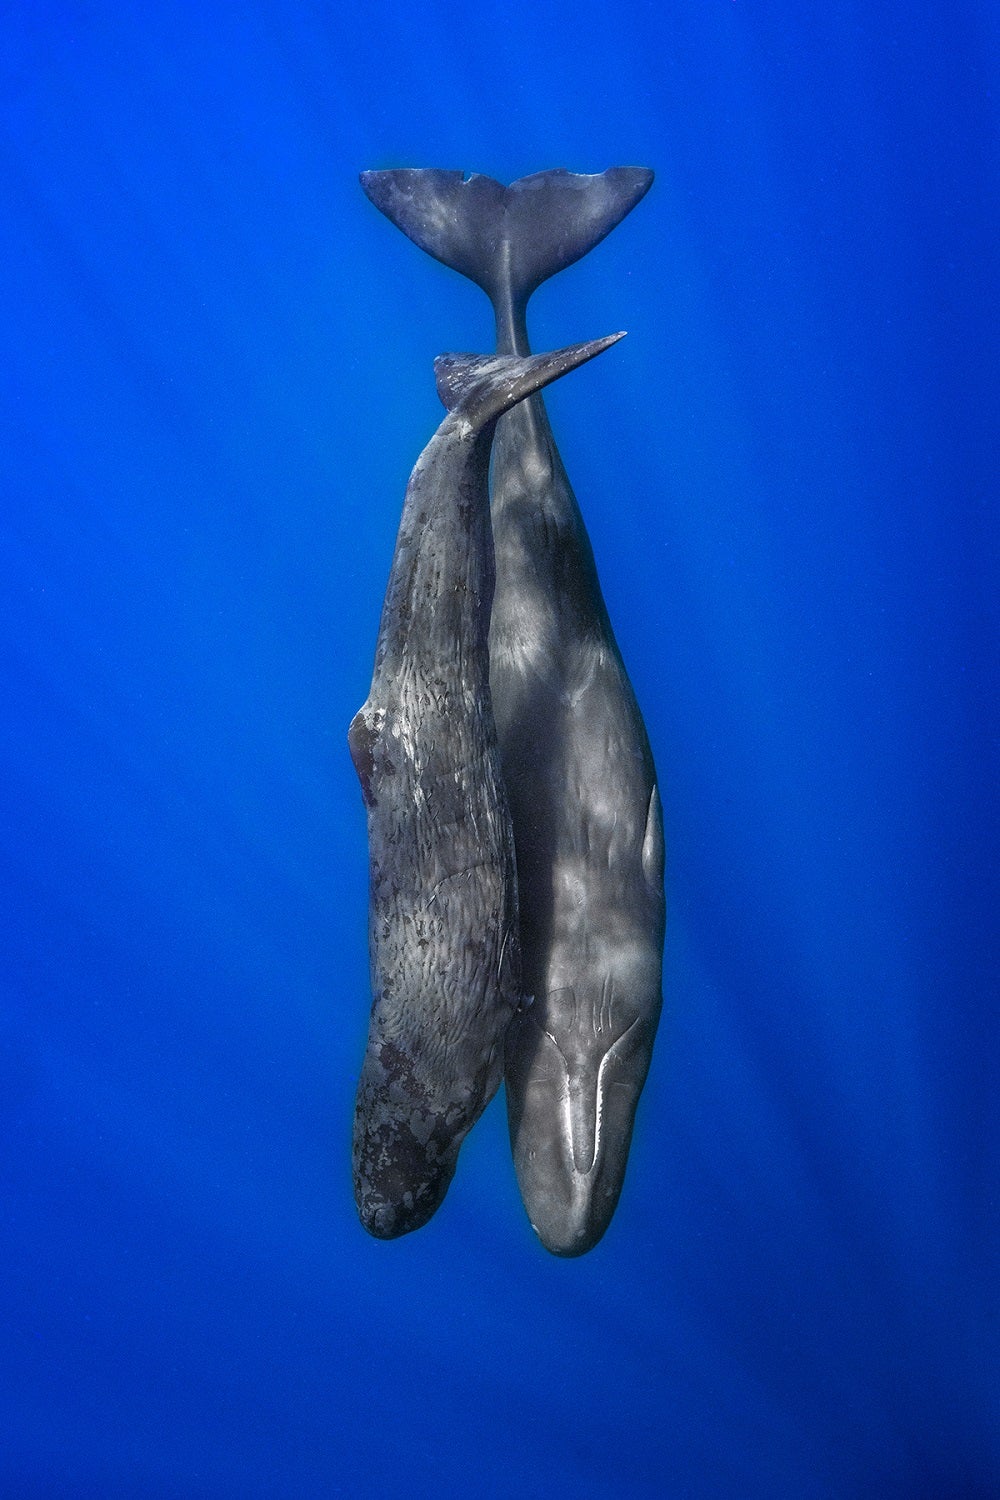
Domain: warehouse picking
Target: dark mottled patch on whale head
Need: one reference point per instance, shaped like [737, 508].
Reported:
[405, 1152]
[405, 1196]
[401, 1179]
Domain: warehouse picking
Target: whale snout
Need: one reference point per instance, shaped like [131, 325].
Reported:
[379, 1219]
[397, 1198]
[571, 1113]
[403, 1166]
[389, 1217]
[571, 1220]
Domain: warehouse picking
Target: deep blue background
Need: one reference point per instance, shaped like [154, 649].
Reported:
[215, 378]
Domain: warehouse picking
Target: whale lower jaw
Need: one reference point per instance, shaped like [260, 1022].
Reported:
[571, 1128]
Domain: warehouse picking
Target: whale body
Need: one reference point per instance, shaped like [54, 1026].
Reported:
[443, 921]
[576, 759]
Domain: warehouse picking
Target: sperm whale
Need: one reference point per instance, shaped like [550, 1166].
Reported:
[576, 758]
[443, 921]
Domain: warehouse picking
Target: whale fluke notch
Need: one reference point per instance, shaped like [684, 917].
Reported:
[516, 236]
[484, 386]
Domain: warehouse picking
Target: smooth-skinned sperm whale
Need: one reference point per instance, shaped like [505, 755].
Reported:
[576, 758]
[443, 920]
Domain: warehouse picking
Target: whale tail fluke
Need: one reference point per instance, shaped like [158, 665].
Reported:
[507, 239]
[484, 386]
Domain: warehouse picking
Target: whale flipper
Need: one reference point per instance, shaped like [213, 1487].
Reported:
[500, 237]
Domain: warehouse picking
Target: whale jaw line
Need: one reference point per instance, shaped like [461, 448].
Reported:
[571, 1129]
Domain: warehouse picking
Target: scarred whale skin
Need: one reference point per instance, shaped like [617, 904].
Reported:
[576, 758]
[443, 922]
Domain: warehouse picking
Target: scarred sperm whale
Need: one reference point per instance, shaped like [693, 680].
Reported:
[576, 758]
[443, 920]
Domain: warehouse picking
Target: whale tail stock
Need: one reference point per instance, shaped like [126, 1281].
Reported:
[507, 239]
[484, 386]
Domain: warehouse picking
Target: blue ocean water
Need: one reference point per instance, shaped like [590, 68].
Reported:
[215, 379]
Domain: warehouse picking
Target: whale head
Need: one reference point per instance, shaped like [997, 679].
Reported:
[397, 1188]
[407, 1137]
[575, 1066]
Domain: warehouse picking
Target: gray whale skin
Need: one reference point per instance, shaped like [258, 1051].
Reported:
[576, 759]
[443, 921]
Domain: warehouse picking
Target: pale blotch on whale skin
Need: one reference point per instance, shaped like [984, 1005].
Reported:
[443, 921]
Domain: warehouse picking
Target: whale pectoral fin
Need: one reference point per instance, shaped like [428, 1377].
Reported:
[361, 743]
[652, 844]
